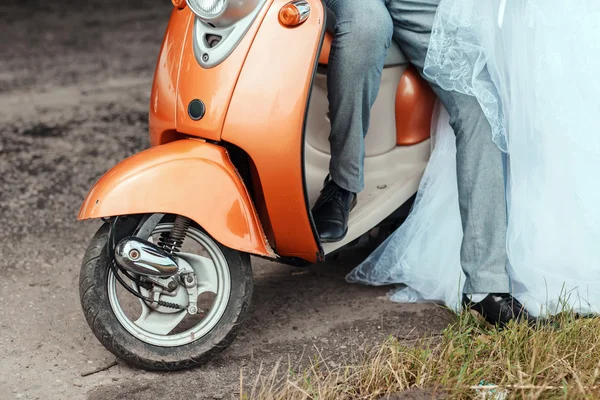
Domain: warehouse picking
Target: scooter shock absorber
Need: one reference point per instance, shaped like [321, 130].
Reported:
[172, 241]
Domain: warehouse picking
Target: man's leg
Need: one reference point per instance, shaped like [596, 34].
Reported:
[479, 161]
[363, 35]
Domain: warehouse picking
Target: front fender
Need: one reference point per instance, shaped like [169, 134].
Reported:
[187, 177]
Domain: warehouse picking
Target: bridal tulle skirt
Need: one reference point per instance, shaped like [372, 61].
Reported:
[544, 107]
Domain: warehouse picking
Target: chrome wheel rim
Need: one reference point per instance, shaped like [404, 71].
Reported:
[153, 326]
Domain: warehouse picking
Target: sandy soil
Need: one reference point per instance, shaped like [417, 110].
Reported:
[74, 87]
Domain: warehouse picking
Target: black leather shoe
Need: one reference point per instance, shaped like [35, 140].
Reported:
[499, 309]
[331, 212]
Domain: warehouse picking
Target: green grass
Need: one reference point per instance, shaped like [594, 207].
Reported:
[555, 361]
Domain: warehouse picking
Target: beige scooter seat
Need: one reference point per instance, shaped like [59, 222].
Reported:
[394, 57]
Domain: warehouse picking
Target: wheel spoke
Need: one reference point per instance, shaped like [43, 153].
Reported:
[157, 322]
[160, 325]
[206, 272]
[145, 309]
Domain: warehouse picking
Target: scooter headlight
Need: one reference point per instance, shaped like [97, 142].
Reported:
[208, 9]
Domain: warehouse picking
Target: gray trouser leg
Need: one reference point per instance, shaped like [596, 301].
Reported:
[363, 34]
[479, 161]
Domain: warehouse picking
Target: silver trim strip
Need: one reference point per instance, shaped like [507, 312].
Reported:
[303, 8]
[231, 36]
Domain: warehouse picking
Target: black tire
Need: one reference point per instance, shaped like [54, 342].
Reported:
[93, 292]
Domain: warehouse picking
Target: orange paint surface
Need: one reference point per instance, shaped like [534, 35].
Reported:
[324, 56]
[213, 86]
[186, 177]
[266, 119]
[414, 106]
[163, 97]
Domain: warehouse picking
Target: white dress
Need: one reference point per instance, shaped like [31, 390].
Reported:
[544, 59]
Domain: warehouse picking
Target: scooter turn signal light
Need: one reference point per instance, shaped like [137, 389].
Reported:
[294, 13]
[179, 3]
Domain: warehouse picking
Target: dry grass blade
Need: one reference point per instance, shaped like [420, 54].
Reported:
[467, 360]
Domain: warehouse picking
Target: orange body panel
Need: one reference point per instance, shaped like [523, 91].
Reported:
[163, 98]
[213, 86]
[186, 177]
[324, 56]
[414, 106]
[266, 119]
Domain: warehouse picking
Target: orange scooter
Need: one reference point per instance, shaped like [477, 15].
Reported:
[239, 150]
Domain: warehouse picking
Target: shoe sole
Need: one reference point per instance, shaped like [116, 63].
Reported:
[480, 318]
[335, 240]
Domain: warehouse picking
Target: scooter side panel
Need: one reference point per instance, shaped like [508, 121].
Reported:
[163, 98]
[325, 52]
[266, 119]
[213, 86]
[188, 177]
[415, 101]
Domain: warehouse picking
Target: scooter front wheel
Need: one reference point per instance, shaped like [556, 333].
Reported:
[166, 336]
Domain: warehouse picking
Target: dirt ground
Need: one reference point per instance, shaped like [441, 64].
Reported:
[74, 88]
